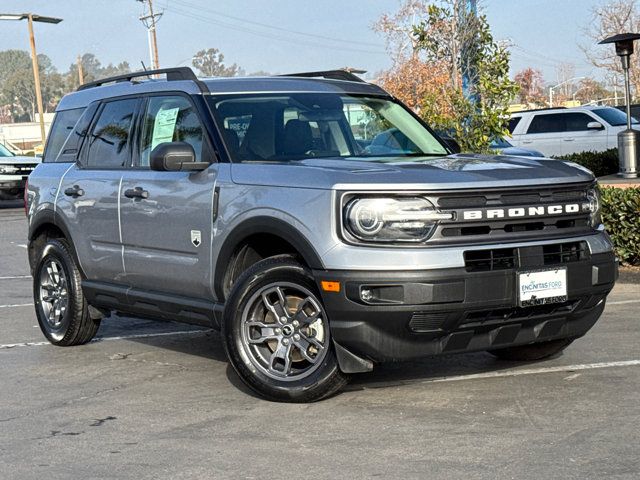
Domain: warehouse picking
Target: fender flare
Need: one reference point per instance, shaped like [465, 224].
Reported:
[264, 225]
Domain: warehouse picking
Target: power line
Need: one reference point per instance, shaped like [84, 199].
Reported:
[213, 21]
[266, 25]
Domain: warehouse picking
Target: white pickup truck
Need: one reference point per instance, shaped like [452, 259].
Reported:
[14, 171]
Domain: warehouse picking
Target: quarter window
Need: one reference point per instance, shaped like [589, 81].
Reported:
[109, 142]
[513, 123]
[170, 119]
[60, 131]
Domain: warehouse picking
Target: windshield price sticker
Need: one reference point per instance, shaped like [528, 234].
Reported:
[542, 287]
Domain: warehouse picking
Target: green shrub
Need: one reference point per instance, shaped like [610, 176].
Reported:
[621, 217]
[600, 163]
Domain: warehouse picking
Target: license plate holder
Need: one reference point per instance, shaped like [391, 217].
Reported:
[542, 286]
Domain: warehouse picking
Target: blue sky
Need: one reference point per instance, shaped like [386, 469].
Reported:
[544, 32]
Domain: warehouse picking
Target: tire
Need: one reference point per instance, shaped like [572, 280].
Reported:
[61, 308]
[276, 333]
[532, 352]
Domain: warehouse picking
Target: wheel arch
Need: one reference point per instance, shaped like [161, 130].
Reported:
[274, 236]
[47, 224]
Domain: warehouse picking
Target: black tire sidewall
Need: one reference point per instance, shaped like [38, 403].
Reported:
[55, 250]
[312, 387]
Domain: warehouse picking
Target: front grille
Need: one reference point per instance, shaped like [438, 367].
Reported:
[525, 257]
[495, 216]
[422, 322]
[488, 260]
[564, 253]
[24, 170]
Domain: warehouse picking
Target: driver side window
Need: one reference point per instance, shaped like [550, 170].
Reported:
[170, 119]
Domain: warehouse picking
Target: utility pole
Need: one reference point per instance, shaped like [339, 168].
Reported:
[36, 76]
[150, 20]
[80, 72]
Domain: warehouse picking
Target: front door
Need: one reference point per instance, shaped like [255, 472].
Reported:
[167, 216]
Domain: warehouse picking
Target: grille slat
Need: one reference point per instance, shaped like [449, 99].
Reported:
[510, 258]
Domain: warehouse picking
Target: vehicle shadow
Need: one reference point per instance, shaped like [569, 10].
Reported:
[209, 345]
[11, 204]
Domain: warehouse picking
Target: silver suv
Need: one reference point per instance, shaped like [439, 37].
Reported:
[314, 220]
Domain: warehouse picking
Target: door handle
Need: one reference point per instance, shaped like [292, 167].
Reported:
[527, 142]
[568, 139]
[74, 191]
[137, 192]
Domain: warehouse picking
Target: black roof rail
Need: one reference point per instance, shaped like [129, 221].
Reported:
[173, 74]
[347, 74]
[540, 109]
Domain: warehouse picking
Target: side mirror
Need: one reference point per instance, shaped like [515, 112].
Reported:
[595, 126]
[174, 157]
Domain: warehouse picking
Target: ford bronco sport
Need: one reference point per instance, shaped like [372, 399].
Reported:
[314, 220]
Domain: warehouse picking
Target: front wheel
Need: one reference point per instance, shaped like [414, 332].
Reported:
[62, 311]
[277, 335]
[533, 352]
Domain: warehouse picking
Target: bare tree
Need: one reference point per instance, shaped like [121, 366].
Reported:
[617, 16]
[531, 85]
[397, 28]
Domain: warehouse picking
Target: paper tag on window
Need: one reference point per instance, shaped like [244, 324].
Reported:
[164, 126]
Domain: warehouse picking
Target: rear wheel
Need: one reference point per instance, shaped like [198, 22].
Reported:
[62, 310]
[535, 351]
[277, 334]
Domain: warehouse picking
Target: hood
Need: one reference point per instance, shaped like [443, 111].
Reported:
[520, 152]
[459, 171]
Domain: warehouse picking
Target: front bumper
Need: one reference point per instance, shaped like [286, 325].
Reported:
[456, 310]
[12, 183]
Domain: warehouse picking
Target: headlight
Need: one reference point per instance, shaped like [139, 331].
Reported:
[9, 169]
[385, 219]
[594, 203]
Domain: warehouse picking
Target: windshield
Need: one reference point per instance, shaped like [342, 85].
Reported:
[296, 126]
[613, 116]
[500, 143]
[4, 152]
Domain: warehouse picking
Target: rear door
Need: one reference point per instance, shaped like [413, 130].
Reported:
[545, 133]
[167, 217]
[89, 193]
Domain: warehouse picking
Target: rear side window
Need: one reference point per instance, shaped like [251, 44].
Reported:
[560, 122]
[513, 123]
[60, 130]
[110, 138]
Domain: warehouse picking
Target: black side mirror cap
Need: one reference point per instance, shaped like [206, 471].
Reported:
[175, 157]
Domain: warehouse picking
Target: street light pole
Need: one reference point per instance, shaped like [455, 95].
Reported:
[36, 76]
[30, 17]
[559, 85]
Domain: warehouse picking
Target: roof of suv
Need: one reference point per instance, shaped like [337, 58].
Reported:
[300, 83]
[559, 110]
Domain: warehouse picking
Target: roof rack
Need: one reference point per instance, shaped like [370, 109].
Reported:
[347, 74]
[173, 74]
[540, 109]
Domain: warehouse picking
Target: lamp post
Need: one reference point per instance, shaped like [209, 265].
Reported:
[551, 89]
[30, 17]
[627, 139]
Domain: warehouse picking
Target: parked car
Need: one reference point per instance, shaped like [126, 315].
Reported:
[14, 171]
[500, 146]
[504, 147]
[319, 248]
[561, 131]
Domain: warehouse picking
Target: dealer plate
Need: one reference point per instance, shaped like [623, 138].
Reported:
[539, 287]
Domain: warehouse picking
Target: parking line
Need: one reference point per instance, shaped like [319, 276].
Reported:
[16, 305]
[104, 339]
[623, 302]
[15, 277]
[510, 373]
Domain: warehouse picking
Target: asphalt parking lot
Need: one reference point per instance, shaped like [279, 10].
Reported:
[158, 400]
